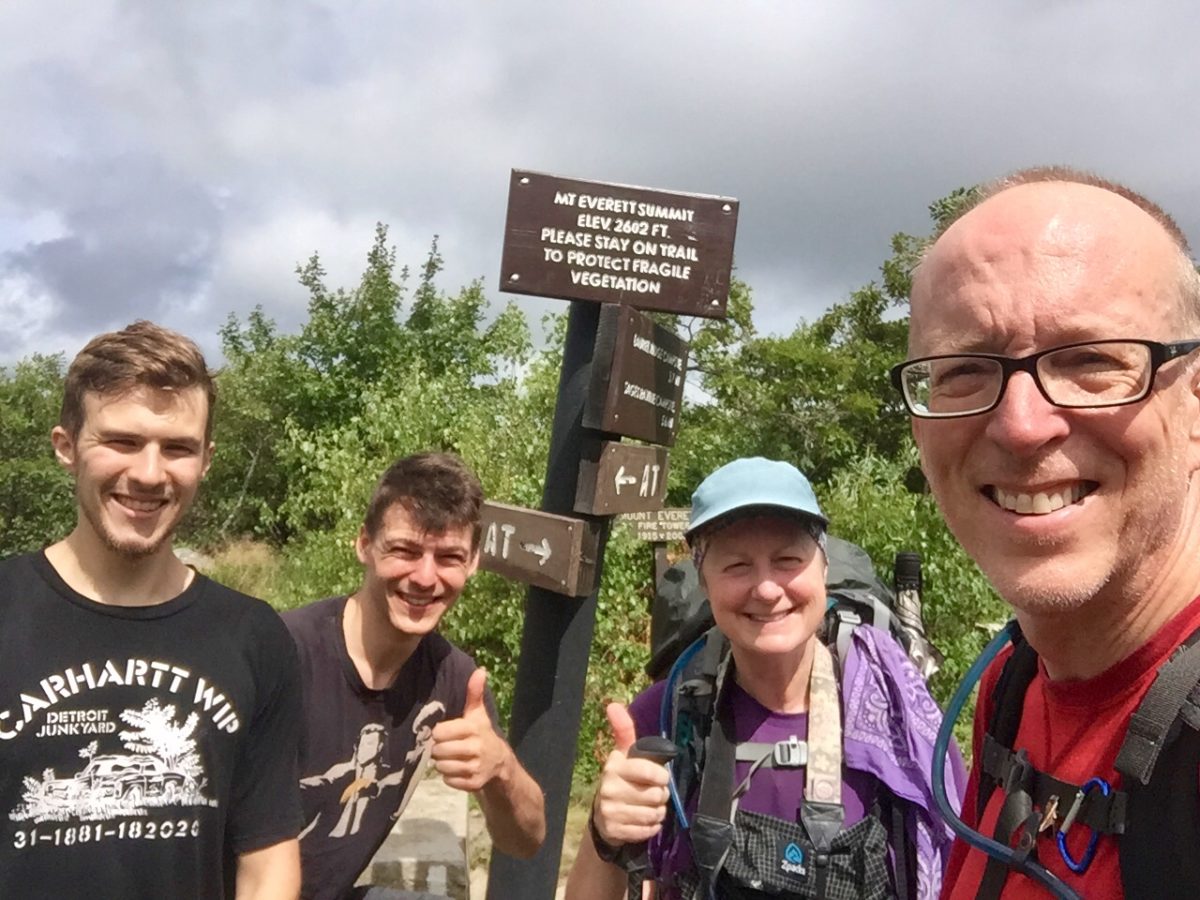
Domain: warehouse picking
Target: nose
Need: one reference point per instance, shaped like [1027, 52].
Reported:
[1025, 421]
[147, 467]
[424, 572]
[766, 588]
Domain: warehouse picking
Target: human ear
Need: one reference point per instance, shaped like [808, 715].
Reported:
[1193, 411]
[360, 545]
[64, 447]
[208, 457]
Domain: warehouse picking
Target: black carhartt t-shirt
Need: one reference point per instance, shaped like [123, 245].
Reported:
[141, 748]
[363, 751]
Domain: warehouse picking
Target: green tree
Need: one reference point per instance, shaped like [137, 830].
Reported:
[36, 501]
[283, 394]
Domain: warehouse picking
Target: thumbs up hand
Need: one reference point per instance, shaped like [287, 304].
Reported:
[631, 801]
[467, 752]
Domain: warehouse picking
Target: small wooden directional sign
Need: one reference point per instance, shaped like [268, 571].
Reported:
[620, 478]
[637, 377]
[661, 526]
[613, 243]
[557, 553]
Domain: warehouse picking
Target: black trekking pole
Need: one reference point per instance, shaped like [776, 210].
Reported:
[906, 576]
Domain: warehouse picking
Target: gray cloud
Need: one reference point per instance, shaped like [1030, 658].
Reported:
[177, 161]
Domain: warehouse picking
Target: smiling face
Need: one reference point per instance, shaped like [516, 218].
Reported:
[138, 459]
[412, 577]
[1058, 505]
[765, 578]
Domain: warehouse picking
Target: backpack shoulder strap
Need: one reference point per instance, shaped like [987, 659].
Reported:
[1150, 726]
[687, 708]
[893, 812]
[691, 686]
[1158, 853]
[1164, 812]
[1008, 699]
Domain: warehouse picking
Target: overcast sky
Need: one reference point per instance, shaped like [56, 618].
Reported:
[176, 161]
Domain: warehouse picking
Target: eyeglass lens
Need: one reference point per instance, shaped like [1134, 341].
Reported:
[1088, 375]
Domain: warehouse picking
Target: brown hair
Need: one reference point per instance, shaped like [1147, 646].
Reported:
[139, 355]
[1189, 280]
[437, 490]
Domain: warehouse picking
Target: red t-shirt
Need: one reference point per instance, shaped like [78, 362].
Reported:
[1073, 731]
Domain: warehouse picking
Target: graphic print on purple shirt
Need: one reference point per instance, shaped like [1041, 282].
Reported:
[773, 792]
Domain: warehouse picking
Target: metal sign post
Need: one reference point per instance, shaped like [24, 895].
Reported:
[623, 248]
[556, 640]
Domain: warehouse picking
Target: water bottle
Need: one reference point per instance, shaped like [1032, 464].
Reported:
[906, 577]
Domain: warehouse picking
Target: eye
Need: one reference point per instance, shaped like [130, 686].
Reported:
[401, 552]
[956, 371]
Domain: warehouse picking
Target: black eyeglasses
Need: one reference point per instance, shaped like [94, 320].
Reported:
[1086, 375]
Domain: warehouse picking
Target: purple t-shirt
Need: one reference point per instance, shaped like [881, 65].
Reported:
[773, 792]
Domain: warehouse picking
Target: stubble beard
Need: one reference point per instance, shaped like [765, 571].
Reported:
[132, 550]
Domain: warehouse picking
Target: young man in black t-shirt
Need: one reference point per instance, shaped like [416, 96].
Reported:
[148, 716]
[384, 694]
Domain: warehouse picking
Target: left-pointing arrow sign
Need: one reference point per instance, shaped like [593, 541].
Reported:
[621, 479]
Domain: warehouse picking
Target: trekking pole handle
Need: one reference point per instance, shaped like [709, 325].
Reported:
[906, 572]
[654, 748]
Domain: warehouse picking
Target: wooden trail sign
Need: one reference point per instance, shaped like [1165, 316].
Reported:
[620, 478]
[614, 243]
[660, 526]
[637, 377]
[550, 551]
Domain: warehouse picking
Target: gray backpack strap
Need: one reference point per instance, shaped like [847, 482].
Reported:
[847, 620]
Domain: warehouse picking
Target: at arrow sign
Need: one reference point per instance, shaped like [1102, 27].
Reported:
[622, 479]
[542, 552]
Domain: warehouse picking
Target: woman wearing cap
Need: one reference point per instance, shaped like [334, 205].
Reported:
[782, 788]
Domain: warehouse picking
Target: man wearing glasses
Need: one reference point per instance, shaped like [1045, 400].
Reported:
[1055, 394]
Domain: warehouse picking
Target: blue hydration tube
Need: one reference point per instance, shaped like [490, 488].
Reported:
[665, 723]
[992, 848]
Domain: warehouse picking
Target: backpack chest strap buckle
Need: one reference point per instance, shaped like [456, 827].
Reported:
[790, 753]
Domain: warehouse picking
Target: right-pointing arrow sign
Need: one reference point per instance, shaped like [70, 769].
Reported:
[541, 551]
[539, 548]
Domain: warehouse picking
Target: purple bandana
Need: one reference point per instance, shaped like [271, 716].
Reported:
[891, 725]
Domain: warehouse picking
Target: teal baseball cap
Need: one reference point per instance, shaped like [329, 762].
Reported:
[753, 481]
